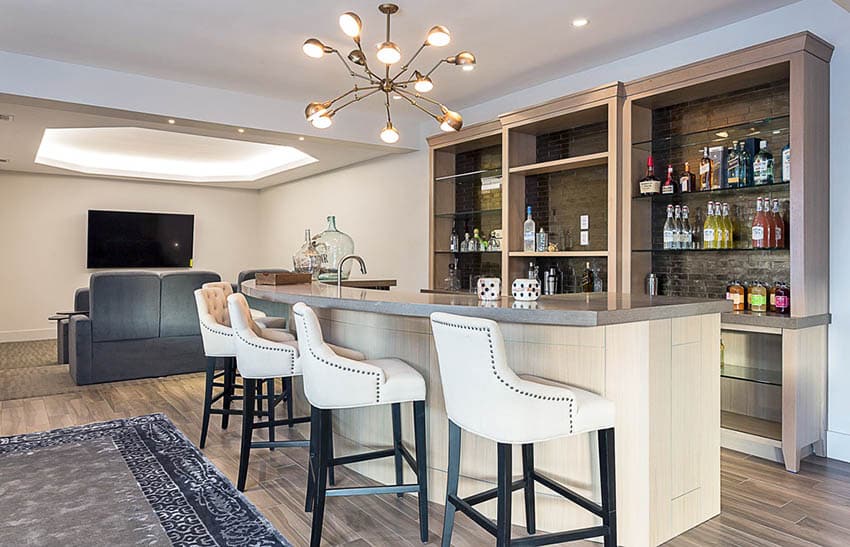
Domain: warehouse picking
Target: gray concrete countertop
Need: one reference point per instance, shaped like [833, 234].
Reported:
[584, 310]
[775, 320]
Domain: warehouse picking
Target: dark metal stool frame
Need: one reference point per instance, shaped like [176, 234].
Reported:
[506, 486]
[322, 462]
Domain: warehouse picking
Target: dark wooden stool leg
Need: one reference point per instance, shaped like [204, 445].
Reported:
[528, 477]
[453, 474]
[250, 391]
[399, 470]
[229, 365]
[290, 408]
[331, 475]
[270, 395]
[315, 428]
[208, 394]
[503, 497]
[421, 467]
[609, 493]
[321, 478]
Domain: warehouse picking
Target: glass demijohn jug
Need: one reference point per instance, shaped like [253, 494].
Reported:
[308, 259]
[333, 245]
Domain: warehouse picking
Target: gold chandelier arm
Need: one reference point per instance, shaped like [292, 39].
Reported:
[410, 62]
[441, 61]
[387, 105]
[351, 72]
[374, 89]
[404, 95]
[424, 98]
[372, 76]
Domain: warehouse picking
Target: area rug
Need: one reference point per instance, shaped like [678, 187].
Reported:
[29, 369]
[135, 481]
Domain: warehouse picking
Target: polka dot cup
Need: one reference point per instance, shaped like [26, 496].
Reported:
[489, 288]
[525, 290]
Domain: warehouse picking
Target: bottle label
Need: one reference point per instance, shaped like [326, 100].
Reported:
[782, 302]
[668, 236]
[786, 165]
[758, 300]
[650, 186]
[758, 233]
[685, 184]
[667, 189]
[778, 233]
[708, 235]
[704, 168]
[737, 299]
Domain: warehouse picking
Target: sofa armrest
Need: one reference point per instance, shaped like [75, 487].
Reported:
[80, 349]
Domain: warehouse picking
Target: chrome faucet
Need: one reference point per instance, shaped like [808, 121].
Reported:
[339, 271]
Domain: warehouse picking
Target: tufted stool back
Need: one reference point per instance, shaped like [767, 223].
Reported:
[215, 322]
[225, 286]
[258, 357]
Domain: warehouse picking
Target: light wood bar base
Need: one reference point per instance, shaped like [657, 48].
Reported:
[663, 376]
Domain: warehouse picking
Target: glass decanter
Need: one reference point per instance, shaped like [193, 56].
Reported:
[308, 259]
[333, 245]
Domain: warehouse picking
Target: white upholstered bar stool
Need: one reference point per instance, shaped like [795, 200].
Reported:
[331, 381]
[219, 344]
[258, 316]
[516, 410]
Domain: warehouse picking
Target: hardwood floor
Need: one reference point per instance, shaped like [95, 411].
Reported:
[762, 504]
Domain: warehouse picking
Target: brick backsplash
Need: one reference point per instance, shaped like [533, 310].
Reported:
[577, 141]
[706, 273]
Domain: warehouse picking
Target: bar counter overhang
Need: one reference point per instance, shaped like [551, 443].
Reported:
[656, 358]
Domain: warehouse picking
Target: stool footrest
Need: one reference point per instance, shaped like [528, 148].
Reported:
[561, 537]
[229, 412]
[278, 444]
[363, 457]
[368, 490]
[473, 513]
[411, 461]
[578, 499]
[301, 420]
[481, 497]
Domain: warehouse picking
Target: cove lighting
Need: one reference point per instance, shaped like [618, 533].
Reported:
[139, 152]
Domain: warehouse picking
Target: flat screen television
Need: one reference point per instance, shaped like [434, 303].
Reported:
[122, 239]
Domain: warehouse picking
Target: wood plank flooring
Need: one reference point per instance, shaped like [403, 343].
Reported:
[762, 504]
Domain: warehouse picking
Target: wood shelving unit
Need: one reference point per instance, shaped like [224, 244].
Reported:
[588, 160]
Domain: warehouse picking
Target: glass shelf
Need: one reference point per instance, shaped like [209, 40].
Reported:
[734, 250]
[467, 214]
[752, 374]
[767, 129]
[470, 175]
[746, 190]
[494, 253]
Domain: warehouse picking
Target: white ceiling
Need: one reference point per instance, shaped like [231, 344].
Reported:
[20, 139]
[254, 46]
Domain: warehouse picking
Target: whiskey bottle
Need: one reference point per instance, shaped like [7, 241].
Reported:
[745, 167]
[649, 184]
[733, 166]
[669, 229]
[669, 187]
[587, 279]
[763, 166]
[786, 163]
[705, 171]
[528, 236]
[686, 181]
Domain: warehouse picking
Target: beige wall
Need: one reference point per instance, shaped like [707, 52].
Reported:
[382, 204]
[43, 237]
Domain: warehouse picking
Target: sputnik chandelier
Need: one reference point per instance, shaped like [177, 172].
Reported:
[321, 114]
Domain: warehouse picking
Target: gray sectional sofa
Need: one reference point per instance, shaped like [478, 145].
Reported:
[139, 325]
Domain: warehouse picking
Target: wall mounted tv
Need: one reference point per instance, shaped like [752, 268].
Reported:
[122, 239]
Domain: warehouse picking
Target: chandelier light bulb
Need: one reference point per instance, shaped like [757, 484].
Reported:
[350, 24]
[389, 134]
[451, 121]
[438, 36]
[313, 48]
[388, 53]
[322, 122]
[423, 83]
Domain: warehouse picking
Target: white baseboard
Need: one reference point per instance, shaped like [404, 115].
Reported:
[838, 446]
[768, 449]
[27, 335]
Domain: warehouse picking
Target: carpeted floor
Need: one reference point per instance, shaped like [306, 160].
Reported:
[29, 369]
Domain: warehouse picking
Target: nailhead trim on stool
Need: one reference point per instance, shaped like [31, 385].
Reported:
[288, 351]
[507, 384]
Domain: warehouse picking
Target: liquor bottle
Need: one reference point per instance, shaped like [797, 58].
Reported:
[733, 166]
[532, 270]
[705, 169]
[669, 187]
[728, 228]
[587, 279]
[696, 230]
[649, 184]
[786, 163]
[480, 244]
[669, 229]
[763, 166]
[454, 243]
[708, 229]
[678, 232]
[687, 233]
[771, 296]
[464, 245]
[686, 181]
[542, 241]
[783, 299]
[758, 300]
[528, 237]
[745, 167]
[735, 293]
[778, 226]
[759, 227]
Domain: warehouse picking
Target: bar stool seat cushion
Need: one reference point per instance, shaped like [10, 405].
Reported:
[276, 335]
[269, 322]
[591, 412]
[402, 383]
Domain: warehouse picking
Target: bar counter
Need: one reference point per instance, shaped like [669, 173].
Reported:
[656, 358]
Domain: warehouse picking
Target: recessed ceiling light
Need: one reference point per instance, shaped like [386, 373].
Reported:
[172, 122]
[722, 134]
[396, 97]
[138, 152]
[240, 130]
[300, 138]
[580, 22]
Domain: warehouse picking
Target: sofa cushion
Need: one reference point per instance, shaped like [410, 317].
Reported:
[179, 312]
[124, 305]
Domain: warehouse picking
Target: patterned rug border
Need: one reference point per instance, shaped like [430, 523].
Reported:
[147, 444]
